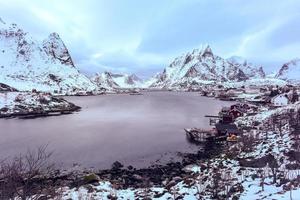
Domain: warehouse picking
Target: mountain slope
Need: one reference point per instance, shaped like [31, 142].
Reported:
[27, 64]
[290, 71]
[105, 80]
[202, 66]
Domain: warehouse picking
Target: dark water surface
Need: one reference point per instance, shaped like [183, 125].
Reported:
[133, 129]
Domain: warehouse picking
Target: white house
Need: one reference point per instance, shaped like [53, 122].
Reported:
[280, 100]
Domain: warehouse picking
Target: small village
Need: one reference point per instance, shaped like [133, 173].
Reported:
[249, 100]
[257, 95]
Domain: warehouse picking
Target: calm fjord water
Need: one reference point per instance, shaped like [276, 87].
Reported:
[133, 129]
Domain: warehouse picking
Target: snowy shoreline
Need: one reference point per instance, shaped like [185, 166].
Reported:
[244, 170]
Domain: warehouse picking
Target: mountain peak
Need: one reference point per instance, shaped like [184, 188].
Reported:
[55, 36]
[105, 80]
[55, 47]
[107, 73]
[202, 65]
[135, 77]
[290, 70]
[206, 51]
[112, 80]
[250, 69]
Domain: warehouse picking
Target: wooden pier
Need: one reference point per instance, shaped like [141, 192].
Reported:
[199, 135]
[213, 119]
[196, 135]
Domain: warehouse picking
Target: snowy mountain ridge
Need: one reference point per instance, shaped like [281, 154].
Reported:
[202, 66]
[47, 66]
[105, 80]
[290, 71]
[251, 70]
[117, 80]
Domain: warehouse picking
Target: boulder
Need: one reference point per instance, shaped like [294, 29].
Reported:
[91, 178]
[137, 177]
[117, 165]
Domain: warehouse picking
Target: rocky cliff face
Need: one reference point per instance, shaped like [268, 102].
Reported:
[201, 65]
[27, 64]
[57, 50]
[290, 71]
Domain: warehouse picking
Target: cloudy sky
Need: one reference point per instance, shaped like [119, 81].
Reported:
[143, 36]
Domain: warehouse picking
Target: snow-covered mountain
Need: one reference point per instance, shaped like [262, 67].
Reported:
[104, 80]
[27, 64]
[113, 81]
[127, 81]
[290, 71]
[201, 66]
[249, 69]
[154, 81]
